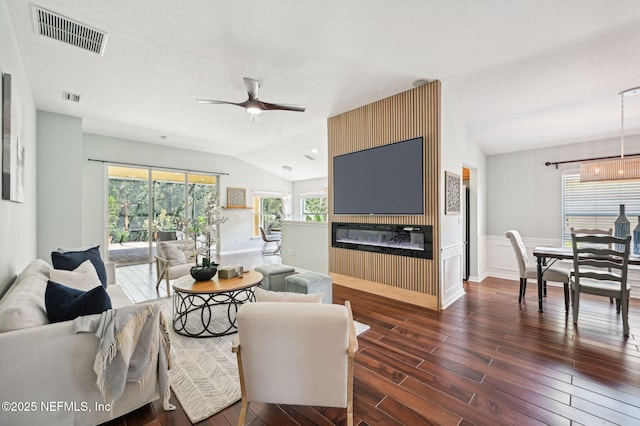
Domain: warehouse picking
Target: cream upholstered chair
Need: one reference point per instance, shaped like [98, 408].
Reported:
[528, 271]
[296, 353]
[600, 268]
[174, 259]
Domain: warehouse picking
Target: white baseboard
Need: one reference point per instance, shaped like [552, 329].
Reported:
[249, 250]
[451, 274]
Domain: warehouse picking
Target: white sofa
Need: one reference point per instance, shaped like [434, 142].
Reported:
[46, 369]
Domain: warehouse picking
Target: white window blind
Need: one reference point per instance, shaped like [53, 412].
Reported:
[595, 205]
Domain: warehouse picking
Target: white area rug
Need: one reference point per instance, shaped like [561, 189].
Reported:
[360, 327]
[204, 377]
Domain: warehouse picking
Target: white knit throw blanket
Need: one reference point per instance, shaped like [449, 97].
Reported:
[134, 342]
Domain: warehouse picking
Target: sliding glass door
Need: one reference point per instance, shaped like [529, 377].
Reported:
[148, 205]
[128, 213]
[169, 204]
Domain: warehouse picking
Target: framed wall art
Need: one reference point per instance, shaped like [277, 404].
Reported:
[236, 198]
[13, 147]
[452, 193]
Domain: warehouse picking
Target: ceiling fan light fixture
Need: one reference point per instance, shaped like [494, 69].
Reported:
[253, 105]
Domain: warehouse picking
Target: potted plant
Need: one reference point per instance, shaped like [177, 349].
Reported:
[204, 230]
[162, 226]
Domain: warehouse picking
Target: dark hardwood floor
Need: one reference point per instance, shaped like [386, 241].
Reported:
[485, 360]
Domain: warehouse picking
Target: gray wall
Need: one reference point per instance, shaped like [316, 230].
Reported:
[524, 194]
[59, 183]
[18, 220]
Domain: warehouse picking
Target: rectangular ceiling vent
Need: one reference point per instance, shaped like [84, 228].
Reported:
[61, 28]
[71, 96]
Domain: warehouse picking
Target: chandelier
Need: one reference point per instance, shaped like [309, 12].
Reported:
[618, 167]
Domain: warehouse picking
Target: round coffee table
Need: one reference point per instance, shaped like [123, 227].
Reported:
[208, 308]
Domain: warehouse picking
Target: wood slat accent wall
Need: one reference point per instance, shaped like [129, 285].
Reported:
[404, 116]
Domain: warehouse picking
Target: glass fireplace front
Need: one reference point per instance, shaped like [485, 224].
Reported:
[401, 240]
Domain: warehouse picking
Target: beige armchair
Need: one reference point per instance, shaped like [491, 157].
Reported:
[174, 259]
[303, 354]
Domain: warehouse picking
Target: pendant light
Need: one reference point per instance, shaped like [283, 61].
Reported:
[286, 177]
[616, 168]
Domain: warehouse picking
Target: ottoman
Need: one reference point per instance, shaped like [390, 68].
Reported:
[310, 282]
[274, 276]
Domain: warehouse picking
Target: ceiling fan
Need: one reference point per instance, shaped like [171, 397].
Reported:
[253, 105]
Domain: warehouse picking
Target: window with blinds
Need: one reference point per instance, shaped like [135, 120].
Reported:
[596, 205]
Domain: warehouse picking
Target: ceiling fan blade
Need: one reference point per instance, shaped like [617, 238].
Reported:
[284, 107]
[211, 101]
[253, 86]
[253, 105]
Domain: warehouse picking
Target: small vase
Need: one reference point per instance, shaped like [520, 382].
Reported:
[622, 227]
[636, 238]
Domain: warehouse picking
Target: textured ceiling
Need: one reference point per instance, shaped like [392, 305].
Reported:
[524, 74]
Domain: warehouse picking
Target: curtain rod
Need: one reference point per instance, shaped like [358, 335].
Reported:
[556, 163]
[158, 167]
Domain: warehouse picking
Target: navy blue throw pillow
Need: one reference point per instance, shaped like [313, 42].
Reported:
[66, 303]
[70, 260]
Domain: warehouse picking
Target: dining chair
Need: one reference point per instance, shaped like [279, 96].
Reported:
[600, 268]
[589, 231]
[528, 271]
[267, 240]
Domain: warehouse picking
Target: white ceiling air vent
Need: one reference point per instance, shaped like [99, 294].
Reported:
[61, 28]
[71, 96]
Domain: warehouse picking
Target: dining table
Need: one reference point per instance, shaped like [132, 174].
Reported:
[547, 256]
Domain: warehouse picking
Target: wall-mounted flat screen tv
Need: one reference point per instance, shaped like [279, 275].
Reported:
[386, 180]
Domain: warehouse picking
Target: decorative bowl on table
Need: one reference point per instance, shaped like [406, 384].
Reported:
[204, 273]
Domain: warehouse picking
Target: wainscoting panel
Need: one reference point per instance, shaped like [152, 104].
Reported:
[407, 115]
[501, 260]
[482, 261]
[451, 274]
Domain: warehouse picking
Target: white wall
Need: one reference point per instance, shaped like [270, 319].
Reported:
[526, 195]
[235, 233]
[305, 245]
[459, 149]
[18, 220]
[71, 209]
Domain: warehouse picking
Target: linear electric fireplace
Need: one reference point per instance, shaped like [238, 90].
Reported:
[401, 240]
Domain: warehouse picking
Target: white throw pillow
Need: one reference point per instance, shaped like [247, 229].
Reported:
[283, 296]
[23, 304]
[84, 277]
[171, 252]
